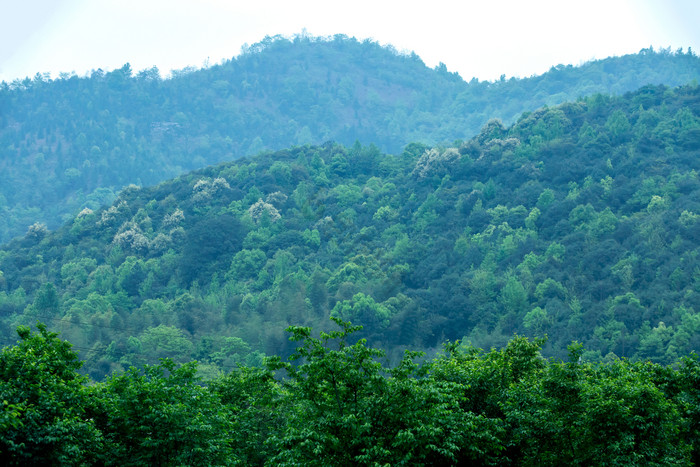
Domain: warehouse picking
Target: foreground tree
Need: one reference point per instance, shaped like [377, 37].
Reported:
[254, 401]
[162, 416]
[578, 413]
[44, 419]
[340, 406]
[345, 409]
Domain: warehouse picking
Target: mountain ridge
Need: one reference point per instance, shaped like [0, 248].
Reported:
[68, 134]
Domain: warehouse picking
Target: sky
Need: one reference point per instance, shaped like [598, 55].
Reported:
[484, 39]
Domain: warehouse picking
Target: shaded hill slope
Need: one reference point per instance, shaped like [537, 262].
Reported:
[580, 221]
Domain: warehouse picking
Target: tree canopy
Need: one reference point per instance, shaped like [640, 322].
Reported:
[336, 403]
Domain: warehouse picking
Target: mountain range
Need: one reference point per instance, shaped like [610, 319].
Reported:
[80, 140]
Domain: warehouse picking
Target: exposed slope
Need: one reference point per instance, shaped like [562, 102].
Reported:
[581, 221]
[79, 140]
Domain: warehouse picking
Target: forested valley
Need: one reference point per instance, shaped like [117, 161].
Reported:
[522, 290]
[68, 134]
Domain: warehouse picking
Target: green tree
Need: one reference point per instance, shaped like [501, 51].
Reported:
[257, 413]
[46, 299]
[343, 411]
[578, 413]
[332, 390]
[162, 416]
[618, 125]
[514, 296]
[166, 342]
[363, 310]
[45, 419]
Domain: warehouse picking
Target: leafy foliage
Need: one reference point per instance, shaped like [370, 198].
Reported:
[162, 416]
[44, 419]
[339, 405]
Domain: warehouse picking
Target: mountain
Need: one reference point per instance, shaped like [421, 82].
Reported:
[74, 142]
[579, 221]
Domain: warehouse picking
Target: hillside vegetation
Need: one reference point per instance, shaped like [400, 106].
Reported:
[74, 142]
[579, 221]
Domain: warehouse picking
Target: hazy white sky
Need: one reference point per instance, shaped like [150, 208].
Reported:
[481, 39]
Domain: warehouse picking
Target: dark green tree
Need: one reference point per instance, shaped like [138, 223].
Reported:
[162, 416]
[345, 409]
[45, 419]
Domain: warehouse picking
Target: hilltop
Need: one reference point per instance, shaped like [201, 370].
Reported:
[75, 142]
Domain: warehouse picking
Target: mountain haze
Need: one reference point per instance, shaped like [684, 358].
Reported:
[81, 139]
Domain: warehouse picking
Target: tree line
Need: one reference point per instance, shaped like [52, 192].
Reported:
[334, 402]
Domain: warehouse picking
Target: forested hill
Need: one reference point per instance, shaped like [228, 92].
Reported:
[79, 140]
[580, 221]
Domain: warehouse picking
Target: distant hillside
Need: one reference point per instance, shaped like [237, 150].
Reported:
[75, 142]
[580, 221]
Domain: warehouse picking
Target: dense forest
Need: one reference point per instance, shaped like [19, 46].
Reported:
[335, 403]
[68, 135]
[323, 252]
[579, 221]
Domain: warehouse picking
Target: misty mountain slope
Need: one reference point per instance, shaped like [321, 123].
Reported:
[75, 142]
[579, 221]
